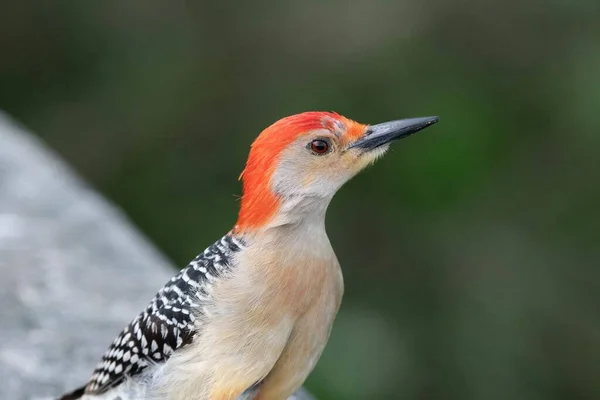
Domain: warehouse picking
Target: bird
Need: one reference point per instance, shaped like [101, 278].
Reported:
[249, 317]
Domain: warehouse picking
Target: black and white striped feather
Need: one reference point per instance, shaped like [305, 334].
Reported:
[167, 323]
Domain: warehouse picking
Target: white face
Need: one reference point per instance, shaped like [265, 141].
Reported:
[313, 168]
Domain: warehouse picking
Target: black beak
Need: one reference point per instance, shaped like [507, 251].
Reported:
[380, 134]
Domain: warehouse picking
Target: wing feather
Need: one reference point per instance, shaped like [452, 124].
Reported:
[167, 323]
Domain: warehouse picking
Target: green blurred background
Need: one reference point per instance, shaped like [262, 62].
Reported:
[470, 252]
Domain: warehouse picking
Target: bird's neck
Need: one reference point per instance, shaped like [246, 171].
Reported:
[298, 227]
[303, 212]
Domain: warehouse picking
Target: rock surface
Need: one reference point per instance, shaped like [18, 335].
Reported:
[73, 271]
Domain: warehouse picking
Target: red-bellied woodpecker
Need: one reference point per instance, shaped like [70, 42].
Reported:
[250, 316]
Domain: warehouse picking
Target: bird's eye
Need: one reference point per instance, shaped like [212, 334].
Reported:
[319, 146]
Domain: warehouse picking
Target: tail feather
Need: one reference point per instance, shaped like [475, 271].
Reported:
[74, 395]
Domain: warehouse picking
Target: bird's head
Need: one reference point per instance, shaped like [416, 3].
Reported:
[296, 165]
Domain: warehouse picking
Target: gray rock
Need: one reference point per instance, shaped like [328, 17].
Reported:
[73, 271]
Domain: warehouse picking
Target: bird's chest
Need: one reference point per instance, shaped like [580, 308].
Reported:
[292, 277]
[278, 281]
